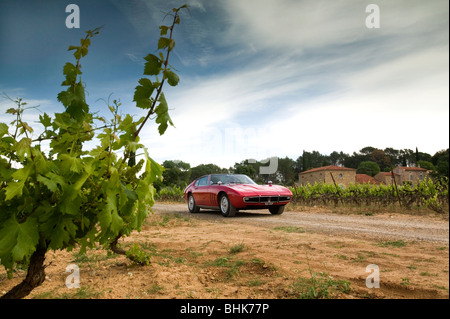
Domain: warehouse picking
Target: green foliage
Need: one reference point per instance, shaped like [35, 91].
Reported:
[204, 169]
[139, 256]
[70, 195]
[320, 286]
[429, 193]
[173, 194]
[368, 167]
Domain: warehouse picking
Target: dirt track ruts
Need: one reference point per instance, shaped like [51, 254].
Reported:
[381, 227]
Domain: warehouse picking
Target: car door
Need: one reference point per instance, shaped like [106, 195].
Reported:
[200, 191]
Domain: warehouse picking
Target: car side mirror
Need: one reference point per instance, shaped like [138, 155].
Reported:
[270, 183]
[219, 183]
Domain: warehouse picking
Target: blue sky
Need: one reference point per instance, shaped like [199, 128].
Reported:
[258, 78]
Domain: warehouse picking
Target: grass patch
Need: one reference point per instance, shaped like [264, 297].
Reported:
[396, 243]
[82, 293]
[236, 248]
[319, 286]
[154, 289]
[290, 229]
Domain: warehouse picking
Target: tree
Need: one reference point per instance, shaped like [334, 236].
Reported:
[441, 162]
[354, 160]
[408, 157]
[369, 168]
[205, 169]
[380, 157]
[286, 171]
[367, 150]
[337, 159]
[427, 165]
[312, 160]
[394, 156]
[245, 168]
[176, 174]
[70, 196]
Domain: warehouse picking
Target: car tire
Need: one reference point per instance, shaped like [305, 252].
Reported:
[226, 208]
[193, 208]
[276, 210]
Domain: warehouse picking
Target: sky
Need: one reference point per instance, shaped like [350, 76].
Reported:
[258, 78]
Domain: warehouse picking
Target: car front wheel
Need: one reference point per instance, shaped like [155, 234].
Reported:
[276, 210]
[191, 204]
[226, 208]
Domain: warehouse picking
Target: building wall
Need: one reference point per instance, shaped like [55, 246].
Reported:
[411, 175]
[387, 178]
[342, 178]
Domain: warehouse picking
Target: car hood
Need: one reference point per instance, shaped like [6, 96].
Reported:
[254, 190]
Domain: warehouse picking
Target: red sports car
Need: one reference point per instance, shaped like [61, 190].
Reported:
[231, 192]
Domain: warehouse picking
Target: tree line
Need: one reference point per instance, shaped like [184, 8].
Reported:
[369, 160]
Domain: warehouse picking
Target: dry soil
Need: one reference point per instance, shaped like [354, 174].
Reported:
[306, 253]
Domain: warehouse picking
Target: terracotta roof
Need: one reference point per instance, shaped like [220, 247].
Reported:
[412, 168]
[328, 168]
[364, 178]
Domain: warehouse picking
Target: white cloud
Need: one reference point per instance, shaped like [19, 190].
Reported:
[300, 75]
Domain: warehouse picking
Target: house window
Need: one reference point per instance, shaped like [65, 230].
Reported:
[411, 177]
[421, 177]
[340, 175]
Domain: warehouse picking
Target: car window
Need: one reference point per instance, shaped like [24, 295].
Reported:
[231, 179]
[202, 181]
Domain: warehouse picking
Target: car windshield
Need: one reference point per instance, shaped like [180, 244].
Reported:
[230, 179]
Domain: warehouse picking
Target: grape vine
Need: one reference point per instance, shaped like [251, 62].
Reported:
[72, 197]
[430, 193]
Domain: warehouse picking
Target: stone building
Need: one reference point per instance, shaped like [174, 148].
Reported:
[387, 179]
[413, 175]
[343, 176]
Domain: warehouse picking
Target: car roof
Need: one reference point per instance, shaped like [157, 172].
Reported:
[229, 174]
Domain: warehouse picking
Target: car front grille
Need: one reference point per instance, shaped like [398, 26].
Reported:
[266, 199]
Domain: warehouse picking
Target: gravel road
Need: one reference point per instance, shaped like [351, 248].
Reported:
[381, 227]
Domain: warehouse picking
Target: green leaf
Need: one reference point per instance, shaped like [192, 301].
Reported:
[104, 216]
[22, 147]
[9, 236]
[166, 43]
[153, 170]
[45, 120]
[71, 72]
[172, 78]
[12, 111]
[71, 163]
[116, 222]
[65, 97]
[15, 188]
[71, 200]
[19, 239]
[164, 29]
[3, 129]
[51, 185]
[62, 232]
[27, 239]
[142, 94]
[153, 65]
[56, 178]
[162, 115]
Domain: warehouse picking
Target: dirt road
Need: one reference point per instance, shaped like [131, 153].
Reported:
[382, 227]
